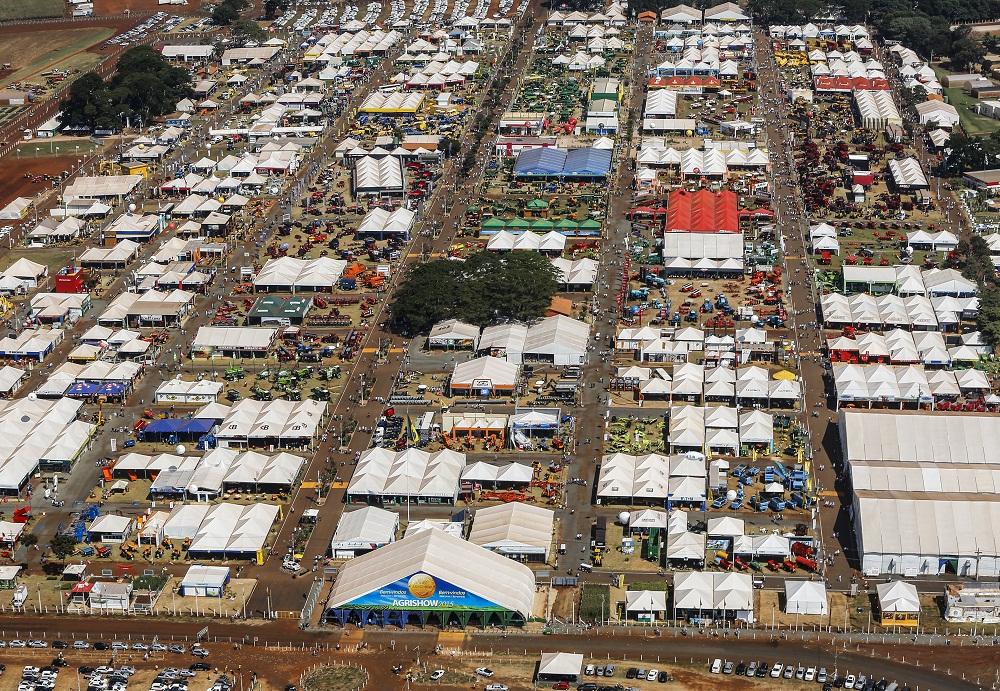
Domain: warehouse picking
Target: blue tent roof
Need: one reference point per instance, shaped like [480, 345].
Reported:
[541, 161]
[179, 426]
[552, 162]
[587, 162]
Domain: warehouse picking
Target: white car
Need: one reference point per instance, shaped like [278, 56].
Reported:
[496, 687]
[80, 645]
[290, 565]
[17, 644]
[437, 674]
[810, 674]
[776, 670]
[485, 672]
[849, 681]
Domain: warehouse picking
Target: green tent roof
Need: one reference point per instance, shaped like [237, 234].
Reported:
[567, 224]
[518, 223]
[538, 204]
[543, 224]
[494, 222]
[588, 224]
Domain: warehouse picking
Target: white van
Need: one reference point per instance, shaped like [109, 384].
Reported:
[717, 666]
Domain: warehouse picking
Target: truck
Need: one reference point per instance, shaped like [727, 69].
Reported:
[599, 532]
[20, 596]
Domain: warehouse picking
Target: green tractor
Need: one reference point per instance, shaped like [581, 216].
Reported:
[261, 394]
[294, 394]
[232, 395]
[320, 393]
[328, 373]
[234, 373]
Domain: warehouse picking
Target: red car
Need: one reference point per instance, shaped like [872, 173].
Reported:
[561, 685]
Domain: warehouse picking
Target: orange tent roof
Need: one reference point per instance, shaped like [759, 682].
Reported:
[703, 211]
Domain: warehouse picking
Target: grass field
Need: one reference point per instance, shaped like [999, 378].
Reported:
[973, 123]
[30, 9]
[61, 147]
[32, 53]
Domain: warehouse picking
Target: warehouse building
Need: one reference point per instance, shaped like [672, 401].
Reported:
[432, 578]
[232, 341]
[926, 497]
[362, 531]
[516, 530]
[411, 475]
[222, 531]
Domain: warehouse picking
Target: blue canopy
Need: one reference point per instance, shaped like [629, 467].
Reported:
[588, 162]
[186, 428]
[551, 162]
[544, 161]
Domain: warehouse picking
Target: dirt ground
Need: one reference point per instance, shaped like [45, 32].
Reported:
[517, 673]
[14, 184]
[33, 52]
[102, 7]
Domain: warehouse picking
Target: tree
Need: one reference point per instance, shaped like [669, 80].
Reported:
[28, 539]
[144, 86]
[965, 52]
[970, 153]
[224, 14]
[247, 30]
[62, 545]
[487, 288]
[450, 146]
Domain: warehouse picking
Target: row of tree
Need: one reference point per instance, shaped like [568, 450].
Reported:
[144, 86]
[487, 288]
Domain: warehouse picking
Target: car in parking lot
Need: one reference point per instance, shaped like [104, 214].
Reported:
[561, 686]
[727, 667]
[198, 651]
[651, 674]
[631, 672]
[119, 645]
[485, 672]
[776, 670]
[36, 643]
[810, 674]
[789, 672]
[437, 674]
[16, 643]
[496, 687]
[821, 676]
[80, 645]
[609, 671]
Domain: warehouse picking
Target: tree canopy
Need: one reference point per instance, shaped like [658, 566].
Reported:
[970, 153]
[144, 86]
[227, 12]
[247, 30]
[487, 288]
[973, 258]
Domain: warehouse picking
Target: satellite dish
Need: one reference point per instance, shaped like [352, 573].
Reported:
[623, 517]
[731, 495]
[131, 207]
[180, 449]
[32, 396]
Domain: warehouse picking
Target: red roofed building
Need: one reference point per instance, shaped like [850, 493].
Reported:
[842, 84]
[703, 211]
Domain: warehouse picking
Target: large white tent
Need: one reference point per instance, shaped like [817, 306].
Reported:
[408, 475]
[805, 597]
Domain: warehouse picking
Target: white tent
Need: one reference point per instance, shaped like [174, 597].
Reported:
[805, 597]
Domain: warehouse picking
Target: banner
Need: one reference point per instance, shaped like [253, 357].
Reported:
[422, 591]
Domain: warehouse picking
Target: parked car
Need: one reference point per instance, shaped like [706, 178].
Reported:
[485, 672]
[437, 674]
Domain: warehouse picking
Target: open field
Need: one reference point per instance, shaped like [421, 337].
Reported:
[13, 182]
[30, 9]
[56, 147]
[34, 52]
[972, 122]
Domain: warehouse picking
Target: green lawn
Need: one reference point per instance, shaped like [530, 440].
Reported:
[30, 9]
[973, 123]
[62, 147]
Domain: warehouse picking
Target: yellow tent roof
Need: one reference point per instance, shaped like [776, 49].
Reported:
[784, 375]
